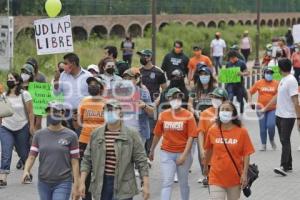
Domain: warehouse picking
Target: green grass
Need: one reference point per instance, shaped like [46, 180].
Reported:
[91, 51]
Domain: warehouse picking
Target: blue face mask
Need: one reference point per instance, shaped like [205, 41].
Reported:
[269, 77]
[111, 117]
[204, 79]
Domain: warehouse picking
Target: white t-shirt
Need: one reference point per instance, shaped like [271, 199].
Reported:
[245, 43]
[287, 88]
[218, 46]
[19, 119]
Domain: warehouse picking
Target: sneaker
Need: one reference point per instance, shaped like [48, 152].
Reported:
[28, 180]
[274, 146]
[20, 164]
[200, 180]
[298, 148]
[149, 163]
[176, 178]
[280, 171]
[205, 182]
[263, 147]
[3, 183]
[136, 172]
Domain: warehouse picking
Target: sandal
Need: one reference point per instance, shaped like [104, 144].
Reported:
[3, 183]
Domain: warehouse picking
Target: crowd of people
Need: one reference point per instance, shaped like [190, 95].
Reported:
[96, 144]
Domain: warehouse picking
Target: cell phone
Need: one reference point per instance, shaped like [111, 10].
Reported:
[253, 106]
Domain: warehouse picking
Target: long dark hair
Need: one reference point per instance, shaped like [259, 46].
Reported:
[19, 85]
[235, 120]
[199, 86]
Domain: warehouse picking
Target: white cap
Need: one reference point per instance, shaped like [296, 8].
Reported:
[93, 67]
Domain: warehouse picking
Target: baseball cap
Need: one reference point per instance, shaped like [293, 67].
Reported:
[132, 72]
[92, 78]
[93, 67]
[202, 67]
[234, 47]
[268, 69]
[113, 103]
[145, 52]
[197, 48]
[220, 92]
[172, 91]
[55, 105]
[28, 68]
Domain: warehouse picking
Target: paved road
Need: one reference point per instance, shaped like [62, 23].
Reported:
[268, 187]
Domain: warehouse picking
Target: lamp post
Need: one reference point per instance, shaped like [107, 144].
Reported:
[257, 63]
[153, 36]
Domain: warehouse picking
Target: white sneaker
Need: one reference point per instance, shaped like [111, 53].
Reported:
[263, 147]
[274, 146]
[200, 180]
[176, 178]
[136, 172]
[298, 148]
[280, 171]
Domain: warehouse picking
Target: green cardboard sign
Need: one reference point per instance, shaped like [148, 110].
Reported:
[230, 75]
[42, 94]
[276, 76]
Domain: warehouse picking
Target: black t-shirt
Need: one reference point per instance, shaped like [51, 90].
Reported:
[173, 61]
[152, 79]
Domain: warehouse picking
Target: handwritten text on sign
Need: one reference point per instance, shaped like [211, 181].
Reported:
[230, 75]
[53, 35]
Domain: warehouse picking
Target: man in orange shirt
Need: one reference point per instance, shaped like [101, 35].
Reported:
[178, 128]
[1, 89]
[198, 58]
[266, 89]
[206, 120]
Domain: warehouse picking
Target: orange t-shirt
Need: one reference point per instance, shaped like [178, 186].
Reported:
[175, 128]
[207, 119]
[222, 171]
[91, 117]
[192, 65]
[1, 88]
[266, 91]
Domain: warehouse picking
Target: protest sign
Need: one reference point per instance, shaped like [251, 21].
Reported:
[6, 42]
[276, 76]
[125, 92]
[42, 94]
[296, 33]
[53, 35]
[230, 75]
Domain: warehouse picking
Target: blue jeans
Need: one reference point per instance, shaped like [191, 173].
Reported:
[218, 60]
[168, 169]
[238, 90]
[55, 191]
[266, 125]
[9, 139]
[108, 188]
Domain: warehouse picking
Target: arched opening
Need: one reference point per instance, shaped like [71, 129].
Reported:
[231, 23]
[162, 25]
[117, 30]
[270, 23]
[147, 29]
[99, 31]
[135, 30]
[212, 24]
[294, 21]
[298, 20]
[263, 22]
[27, 32]
[255, 22]
[282, 22]
[79, 33]
[177, 23]
[276, 23]
[288, 22]
[240, 22]
[221, 24]
[248, 23]
[201, 24]
[189, 23]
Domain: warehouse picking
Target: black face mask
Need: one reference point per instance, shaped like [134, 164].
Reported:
[217, 37]
[110, 70]
[61, 70]
[94, 90]
[10, 84]
[177, 83]
[54, 119]
[143, 61]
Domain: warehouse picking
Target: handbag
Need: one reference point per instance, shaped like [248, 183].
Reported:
[6, 109]
[252, 174]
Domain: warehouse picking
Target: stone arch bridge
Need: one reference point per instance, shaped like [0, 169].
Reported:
[137, 25]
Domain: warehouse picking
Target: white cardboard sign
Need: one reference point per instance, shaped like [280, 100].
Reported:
[53, 35]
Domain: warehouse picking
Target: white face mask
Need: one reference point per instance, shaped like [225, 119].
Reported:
[216, 102]
[225, 116]
[175, 103]
[25, 77]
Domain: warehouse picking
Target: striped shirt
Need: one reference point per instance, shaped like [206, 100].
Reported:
[110, 161]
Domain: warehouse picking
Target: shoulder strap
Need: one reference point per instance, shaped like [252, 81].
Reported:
[24, 104]
[237, 170]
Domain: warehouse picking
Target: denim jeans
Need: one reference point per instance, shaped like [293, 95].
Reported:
[55, 191]
[9, 139]
[285, 127]
[168, 169]
[297, 74]
[218, 62]
[108, 189]
[266, 125]
[238, 90]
